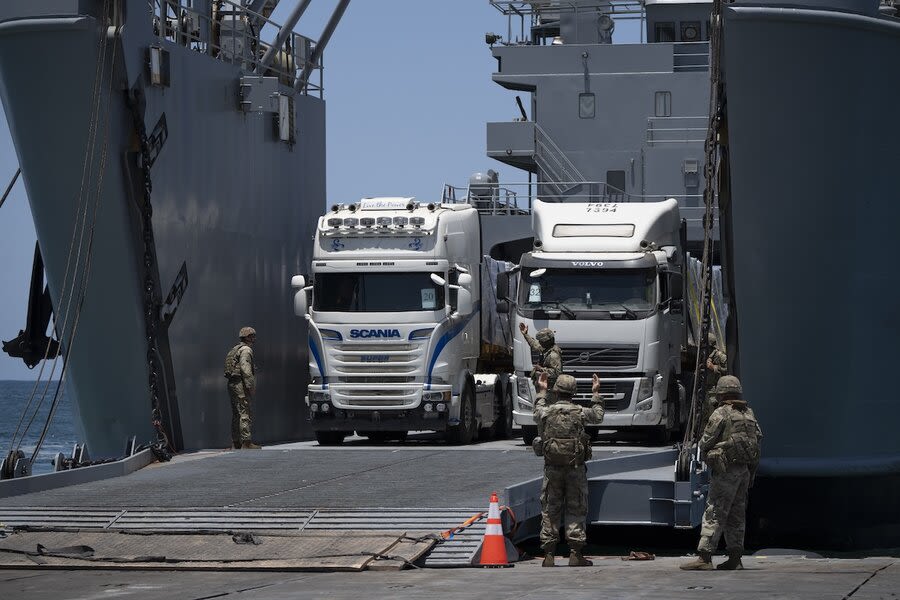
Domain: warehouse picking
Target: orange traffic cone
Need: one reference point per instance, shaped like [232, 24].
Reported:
[493, 547]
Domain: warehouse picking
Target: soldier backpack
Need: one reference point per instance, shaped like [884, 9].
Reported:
[232, 362]
[741, 443]
[565, 441]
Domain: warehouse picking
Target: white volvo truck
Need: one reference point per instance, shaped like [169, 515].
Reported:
[608, 280]
[397, 326]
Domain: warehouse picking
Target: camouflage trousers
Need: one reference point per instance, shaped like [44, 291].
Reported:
[726, 510]
[240, 413]
[565, 490]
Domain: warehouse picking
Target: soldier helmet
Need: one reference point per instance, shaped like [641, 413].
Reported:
[565, 385]
[729, 385]
[246, 332]
[545, 337]
[711, 339]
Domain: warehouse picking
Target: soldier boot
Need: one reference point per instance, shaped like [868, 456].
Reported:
[577, 559]
[703, 562]
[733, 563]
[250, 446]
[549, 559]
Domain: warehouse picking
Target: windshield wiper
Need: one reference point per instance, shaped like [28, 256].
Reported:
[631, 314]
[569, 312]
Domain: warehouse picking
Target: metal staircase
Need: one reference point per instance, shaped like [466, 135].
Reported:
[558, 175]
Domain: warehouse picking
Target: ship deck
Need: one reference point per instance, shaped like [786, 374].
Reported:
[423, 486]
[773, 577]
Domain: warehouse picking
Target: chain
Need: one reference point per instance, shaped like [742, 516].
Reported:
[162, 449]
[710, 173]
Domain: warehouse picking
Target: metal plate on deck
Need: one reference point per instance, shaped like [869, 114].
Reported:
[307, 551]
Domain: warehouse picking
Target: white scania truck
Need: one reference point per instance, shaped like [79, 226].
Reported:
[397, 327]
[608, 279]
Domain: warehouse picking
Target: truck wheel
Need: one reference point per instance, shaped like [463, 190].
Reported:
[330, 438]
[529, 432]
[505, 419]
[463, 433]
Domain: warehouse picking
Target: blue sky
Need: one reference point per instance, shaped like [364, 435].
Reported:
[416, 73]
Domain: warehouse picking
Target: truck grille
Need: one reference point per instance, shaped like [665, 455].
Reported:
[376, 374]
[596, 357]
[619, 390]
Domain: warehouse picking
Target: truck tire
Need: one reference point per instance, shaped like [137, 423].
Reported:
[529, 432]
[463, 433]
[504, 425]
[330, 438]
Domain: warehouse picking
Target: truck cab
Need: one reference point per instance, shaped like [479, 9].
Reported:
[607, 278]
[395, 322]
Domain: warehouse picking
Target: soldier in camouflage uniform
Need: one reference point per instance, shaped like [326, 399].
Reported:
[551, 354]
[241, 375]
[716, 366]
[730, 445]
[565, 447]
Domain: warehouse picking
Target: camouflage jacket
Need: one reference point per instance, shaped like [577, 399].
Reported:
[592, 414]
[720, 367]
[551, 358]
[733, 429]
[247, 367]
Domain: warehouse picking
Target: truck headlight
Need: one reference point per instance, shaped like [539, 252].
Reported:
[522, 388]
[646, 388]
[435, 396]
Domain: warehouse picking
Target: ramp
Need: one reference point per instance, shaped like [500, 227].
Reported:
[421, 525]
[281, 551]
[631, 489]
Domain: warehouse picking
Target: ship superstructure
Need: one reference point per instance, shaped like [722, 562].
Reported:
[123, 109]
[630, 116]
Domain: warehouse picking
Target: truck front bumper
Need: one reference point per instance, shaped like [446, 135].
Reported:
[415, 419]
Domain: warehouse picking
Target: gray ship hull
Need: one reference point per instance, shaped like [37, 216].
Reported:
[809, 222]
[231, 201]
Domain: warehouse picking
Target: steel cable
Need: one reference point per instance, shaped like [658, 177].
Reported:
[77, 233]
[85, 276]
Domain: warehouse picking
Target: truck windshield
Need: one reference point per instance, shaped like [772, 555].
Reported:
[376, 292]
[632, 291]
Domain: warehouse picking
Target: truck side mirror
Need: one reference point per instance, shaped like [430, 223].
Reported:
[464, 301]
[298, 281]
[676, 286]
[676, 306]
[301, 306]
[502, 286]
[464, 280]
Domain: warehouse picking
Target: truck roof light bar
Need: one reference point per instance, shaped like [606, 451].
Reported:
[367, 222]
[417, 222]
[336, 222]
[351, 222]
[384, 221]
[401, 221]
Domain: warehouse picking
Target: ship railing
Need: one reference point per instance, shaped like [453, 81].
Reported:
[676, 130]
[519, 198]
[536, 22]
[235, 34]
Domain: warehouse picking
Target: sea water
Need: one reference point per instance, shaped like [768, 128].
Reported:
[61, 436]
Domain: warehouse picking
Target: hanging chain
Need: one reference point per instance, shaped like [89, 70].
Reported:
[161, 448]
[711, 174]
